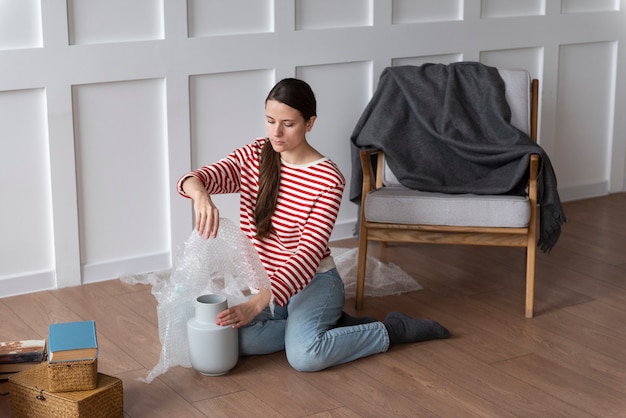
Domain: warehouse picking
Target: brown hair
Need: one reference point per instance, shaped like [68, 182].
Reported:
[297, 94]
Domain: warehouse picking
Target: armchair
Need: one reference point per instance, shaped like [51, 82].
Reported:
[391, 211]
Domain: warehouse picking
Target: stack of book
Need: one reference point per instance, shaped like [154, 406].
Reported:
[68, 384]
[16, 356]
[71, 353]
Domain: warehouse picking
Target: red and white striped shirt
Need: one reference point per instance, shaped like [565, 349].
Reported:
[308, 203]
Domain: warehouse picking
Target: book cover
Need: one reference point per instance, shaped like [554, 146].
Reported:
[16, 367]
[22, 351]
[72, 341]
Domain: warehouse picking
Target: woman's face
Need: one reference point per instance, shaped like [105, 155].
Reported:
[286, 128]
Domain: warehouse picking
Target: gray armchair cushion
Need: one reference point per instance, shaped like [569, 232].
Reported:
[401, 205]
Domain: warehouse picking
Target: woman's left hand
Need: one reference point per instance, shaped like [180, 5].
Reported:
[241, 315]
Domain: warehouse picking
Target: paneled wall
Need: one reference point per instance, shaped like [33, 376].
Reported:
[104, 104]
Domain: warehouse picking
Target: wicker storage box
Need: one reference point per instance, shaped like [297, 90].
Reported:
[31, 399]
[70, 376]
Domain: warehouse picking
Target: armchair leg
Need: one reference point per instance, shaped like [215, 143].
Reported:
[530, 280]
[360, 272]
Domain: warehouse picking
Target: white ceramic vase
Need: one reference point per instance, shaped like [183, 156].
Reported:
[213, 349]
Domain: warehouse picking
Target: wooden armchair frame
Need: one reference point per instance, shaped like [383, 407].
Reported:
[444, 234]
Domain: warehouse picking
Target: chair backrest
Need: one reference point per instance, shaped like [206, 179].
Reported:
[518, 96]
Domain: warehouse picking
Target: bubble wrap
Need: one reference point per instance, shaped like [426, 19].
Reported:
[381, 279]
[227, 265]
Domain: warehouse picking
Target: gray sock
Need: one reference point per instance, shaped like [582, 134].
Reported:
[404, 329]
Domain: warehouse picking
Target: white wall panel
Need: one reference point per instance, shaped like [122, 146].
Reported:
[530, 59]
[583, 6]
[219, 17]
[122, 171]
[439, 59]
[510, 8]
[416, 11]
[20, 24]
[97, 21]
[26, 237]
[342, 91]
[227, 112]
[161, 86]
[585, 111]
[325, 14]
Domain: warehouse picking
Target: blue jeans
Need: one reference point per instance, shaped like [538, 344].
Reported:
[305, 329]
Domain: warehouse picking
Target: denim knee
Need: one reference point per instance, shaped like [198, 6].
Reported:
[305, 360]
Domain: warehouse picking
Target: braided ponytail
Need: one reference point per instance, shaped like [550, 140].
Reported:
[269, 177]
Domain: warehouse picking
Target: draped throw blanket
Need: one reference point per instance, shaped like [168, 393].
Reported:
[446, 128]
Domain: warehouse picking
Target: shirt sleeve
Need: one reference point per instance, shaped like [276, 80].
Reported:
[222, 177]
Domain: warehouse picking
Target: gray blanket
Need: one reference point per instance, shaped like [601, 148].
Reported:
[446, 128]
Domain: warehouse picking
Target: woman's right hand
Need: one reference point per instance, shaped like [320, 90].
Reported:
[206, 213]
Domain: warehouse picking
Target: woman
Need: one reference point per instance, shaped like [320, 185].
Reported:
[289, 199]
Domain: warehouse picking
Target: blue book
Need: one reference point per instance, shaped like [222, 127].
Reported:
[72, 341]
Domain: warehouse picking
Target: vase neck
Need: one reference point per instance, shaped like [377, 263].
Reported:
[209, 306]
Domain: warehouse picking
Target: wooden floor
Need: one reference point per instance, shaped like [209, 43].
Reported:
[569, 361]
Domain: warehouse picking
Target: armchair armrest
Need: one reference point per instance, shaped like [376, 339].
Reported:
[371, 180]
[532, 179]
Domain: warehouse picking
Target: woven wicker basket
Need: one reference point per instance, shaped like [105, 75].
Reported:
[30, 397]
[70, 376]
